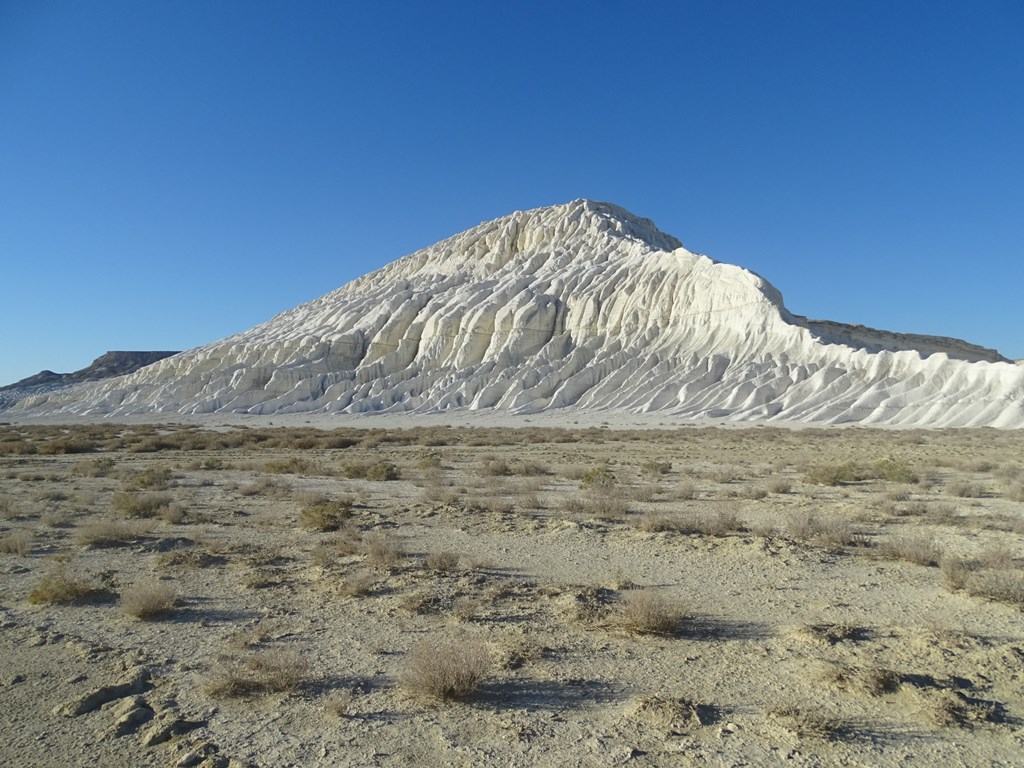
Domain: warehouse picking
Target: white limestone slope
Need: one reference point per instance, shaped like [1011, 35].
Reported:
[577, 306]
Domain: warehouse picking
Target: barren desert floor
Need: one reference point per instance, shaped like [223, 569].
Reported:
[173, 595]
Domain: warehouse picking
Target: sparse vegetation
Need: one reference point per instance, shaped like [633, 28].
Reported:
[132, 504]
[322, 513]
[149, 599]
[58, 587]
[445, 668]
[642, 612]
[378, 470]
[312, 570]
[917, 549]
[17, 543]
[271, 670]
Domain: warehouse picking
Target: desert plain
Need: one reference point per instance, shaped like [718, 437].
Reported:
[435, 595]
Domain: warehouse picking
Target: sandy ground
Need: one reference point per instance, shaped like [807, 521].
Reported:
[825, 597]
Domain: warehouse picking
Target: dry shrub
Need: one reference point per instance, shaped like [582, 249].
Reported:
[55, 518]
[829, 634]
[722, 523]
[339, 704]
[644, 494]
[172, 514]
[465, 608]
[1001, 586]
[378, 470]
[915, 548]
[965, 489]
[274, 670]
[325, 514]
[17, 543]
[997, 557]
[529, 469]
[108, 533]
[655, 523]
[54, 495]
[686, 491]
[609, 506]
[494, 467]
[647, 613]
[60, 588]
[265, 486]
[8, 509]
[832, 534]
[438, 493]
[805, 722]
[446, 668]
[754, 492]
[598, 477]
[726, 474]
[872, 680]
[383, 551]
[154, 479]
[655, 468]
[101, 467]
[357, 584]
[780, 485]
[951, 708]
[955, 571]
[443, 561]
[149, 599]
[290, 466]
[132, 504]
[672, 713]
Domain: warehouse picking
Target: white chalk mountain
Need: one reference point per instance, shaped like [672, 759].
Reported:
[576, 306]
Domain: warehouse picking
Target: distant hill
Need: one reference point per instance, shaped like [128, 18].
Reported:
[117, 363]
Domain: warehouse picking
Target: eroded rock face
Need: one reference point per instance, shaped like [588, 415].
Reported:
[577, 306]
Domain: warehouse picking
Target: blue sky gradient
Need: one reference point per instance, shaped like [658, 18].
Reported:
[174, 172]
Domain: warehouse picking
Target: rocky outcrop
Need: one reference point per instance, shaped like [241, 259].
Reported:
[103, 367]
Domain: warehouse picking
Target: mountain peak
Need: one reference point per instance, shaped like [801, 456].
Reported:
[582, 305]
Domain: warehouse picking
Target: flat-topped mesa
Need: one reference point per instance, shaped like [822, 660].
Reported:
[581, 306]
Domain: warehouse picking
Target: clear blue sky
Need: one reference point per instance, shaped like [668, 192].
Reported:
[173, 172]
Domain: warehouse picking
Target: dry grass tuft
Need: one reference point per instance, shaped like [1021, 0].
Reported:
[647, 613]
[443, 561]
[966, 489]
[322, 513]
[17, 543]
[446, 668]
[109, 533]
[274, 670]
[950, 708]
[383, 551]
[1003, 586]
[149, 600]
[916, 548]
[872, 680]
[806, 723]
[378, 470]
[59, 588]
[132, 504]
[358, 584]
[339, 704]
